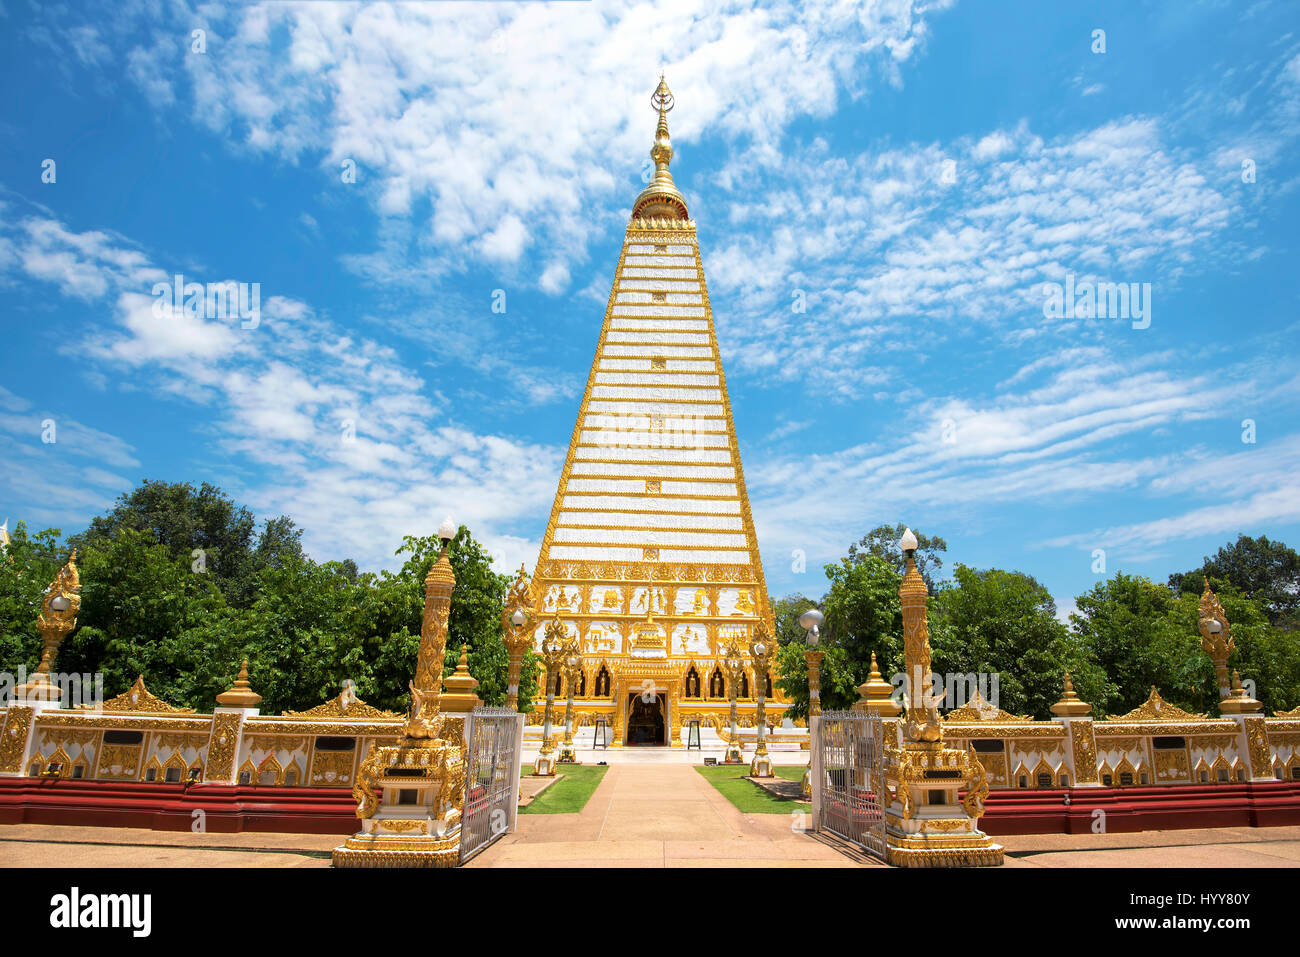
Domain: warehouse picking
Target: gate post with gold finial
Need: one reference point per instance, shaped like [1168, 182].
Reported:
[926, 823]
[410, 796]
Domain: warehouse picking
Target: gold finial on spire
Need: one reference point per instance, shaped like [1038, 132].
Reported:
[1070, 705]
[661, 199]
[241, 693]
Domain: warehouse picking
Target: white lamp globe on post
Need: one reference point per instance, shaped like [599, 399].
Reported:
[811, 621]
[447, 530]
[908, 542]
[519, 617]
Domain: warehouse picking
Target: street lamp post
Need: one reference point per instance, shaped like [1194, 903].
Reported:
[811, 621]
[554, 645]
[733, 665]
[760, 649]
[572, 669]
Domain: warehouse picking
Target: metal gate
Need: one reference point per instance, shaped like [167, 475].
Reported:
[494, 748]
[847, 757]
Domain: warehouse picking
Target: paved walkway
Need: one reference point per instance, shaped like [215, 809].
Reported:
[662, 815]
[643, 815]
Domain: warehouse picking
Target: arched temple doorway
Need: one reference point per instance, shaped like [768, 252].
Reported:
[645, 719]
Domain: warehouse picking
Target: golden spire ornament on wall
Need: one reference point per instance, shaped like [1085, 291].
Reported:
[1216, 641]
[57, 619]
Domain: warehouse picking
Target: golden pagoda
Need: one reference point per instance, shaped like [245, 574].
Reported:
[649, 558]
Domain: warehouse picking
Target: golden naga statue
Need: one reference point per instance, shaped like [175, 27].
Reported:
[363, 789]
[928, 729]
[418, 727]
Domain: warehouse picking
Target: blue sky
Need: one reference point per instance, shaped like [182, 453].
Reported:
[914, 173]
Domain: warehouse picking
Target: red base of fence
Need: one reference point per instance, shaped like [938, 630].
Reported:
[1173, 807]
[171, 807]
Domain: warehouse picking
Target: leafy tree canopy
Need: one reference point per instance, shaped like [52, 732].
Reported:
[1265, 571]
[882, 542]
[306, 627]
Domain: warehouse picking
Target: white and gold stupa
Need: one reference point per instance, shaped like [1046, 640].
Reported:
[649, 557]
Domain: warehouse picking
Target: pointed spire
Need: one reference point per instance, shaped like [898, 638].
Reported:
[661, 199]
[877, 694]
[241, 693]
[458, 688]
[1070, 705]
[1238, 702]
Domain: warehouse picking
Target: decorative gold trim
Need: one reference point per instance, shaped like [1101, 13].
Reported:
[346, 705]
[137, 699]
[1156, 708]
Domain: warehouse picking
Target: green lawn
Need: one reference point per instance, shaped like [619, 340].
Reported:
[747, 796]
[569, 795]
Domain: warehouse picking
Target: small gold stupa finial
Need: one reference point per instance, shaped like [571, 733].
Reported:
[241, 693]
[661, 199]
[877, 694]
[458, 688]
[1070, 705]
[1237, 701]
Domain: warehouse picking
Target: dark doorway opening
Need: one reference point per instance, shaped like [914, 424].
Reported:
[645, 719]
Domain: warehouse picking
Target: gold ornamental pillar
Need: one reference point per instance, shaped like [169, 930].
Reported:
[516, 631]
[438, 586]
[57, 619]
[760, 650]
[734, 667]
[554, 647]
[1215, 638]
[572, 670]
[927, 824]
[410, 795]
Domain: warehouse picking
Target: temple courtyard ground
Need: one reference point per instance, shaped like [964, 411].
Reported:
[643, 815]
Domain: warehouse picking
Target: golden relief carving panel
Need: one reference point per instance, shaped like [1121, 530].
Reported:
[221, 747]
[332, 768]
[277, 742]
[1084, 746]
[118, 762]
[1172, 766]
[13, 738]
[1261, 758]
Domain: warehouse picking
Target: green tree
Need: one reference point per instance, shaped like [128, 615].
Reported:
[882, 542]
[205, 528]
[1000, 622]
[1125, 627]
[786, 612]
[863, 615]
[1265, 571]
[136, 598]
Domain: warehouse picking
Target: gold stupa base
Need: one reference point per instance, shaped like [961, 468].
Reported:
[761, 766]
[376, 850]
[568, 755]
[805, 785]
